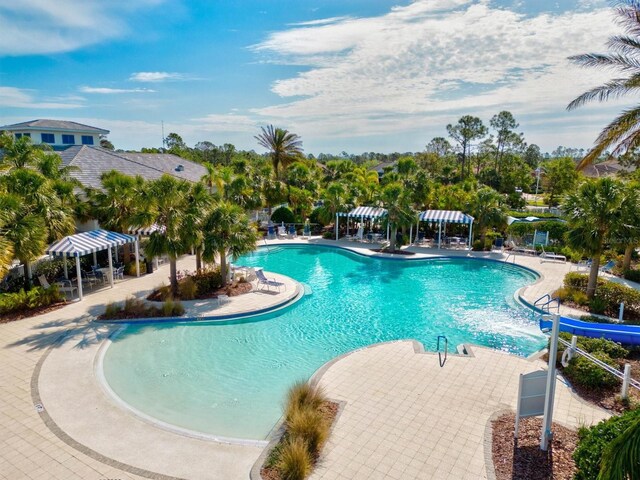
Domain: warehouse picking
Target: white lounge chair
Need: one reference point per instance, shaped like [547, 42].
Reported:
[64, 286]
[268, 282]
[551, 256]
[282, 232]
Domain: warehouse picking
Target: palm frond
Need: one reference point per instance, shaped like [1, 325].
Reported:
[615, 88]
[616, 61]
[620, 459]
[624, 44]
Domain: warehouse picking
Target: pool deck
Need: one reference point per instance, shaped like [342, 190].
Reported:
[83, 434]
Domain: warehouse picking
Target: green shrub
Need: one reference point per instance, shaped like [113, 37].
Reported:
[309, 425]
[22, 301]
[282, 214]
[52, 268]
[295, 460]
[171, 308]
[591, 345]
[563, 294]
[592, 442]
[597, 305]
[303, 395]
[187, 288]
[207, 281]
[608, 296]
[112, 310]
[130, 269]
[478, 245]
[314, 217]
[329, 235]
[584, 372]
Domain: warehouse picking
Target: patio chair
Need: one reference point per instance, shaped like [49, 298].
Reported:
[268, 282]
[583, 265]
[608, 267]
[498, 245]
[119, 273]
[357, 237]
[551, 256]
[271, 232]
[307, 231]
[292, 232]
[64, 286]
[90, 278]
[282, 232]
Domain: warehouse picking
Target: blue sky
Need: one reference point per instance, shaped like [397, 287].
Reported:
[363, 75]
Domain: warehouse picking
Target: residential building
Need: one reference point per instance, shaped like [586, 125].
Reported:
[59, 134]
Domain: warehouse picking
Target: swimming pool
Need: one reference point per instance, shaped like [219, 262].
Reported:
[228, 379]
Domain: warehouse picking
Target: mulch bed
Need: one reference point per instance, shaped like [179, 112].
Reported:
[397, 252]
[233, 290]
[329, 410]
[10, 317]
[526, 461]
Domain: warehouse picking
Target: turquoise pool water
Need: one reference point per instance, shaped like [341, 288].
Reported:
[229, 379]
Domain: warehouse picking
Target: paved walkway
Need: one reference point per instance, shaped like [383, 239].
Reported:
[115, 444]
[406, 418]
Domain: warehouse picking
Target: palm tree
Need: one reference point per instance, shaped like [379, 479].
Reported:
[284, 147]
[198, 201]
[18, 153]
[119, 201]
[399, 214]
[227, 232]
[334, 201]
[487, 209]
[622, 133]
[621, 458]
[629, 233]
[593, 213]
[166, 203]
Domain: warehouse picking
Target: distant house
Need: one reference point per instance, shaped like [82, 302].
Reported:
[60, 134]
[608, 168]
[94, 161]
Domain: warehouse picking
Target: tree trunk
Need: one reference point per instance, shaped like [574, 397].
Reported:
[27, 275]
[198, 258]
[392, 240]
[593, 275]
[628, 251]
[223, 266]
[173, 275]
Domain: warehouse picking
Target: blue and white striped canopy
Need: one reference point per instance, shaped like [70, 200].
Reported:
[365, 212]
[88, 242]
[145, 231]
[445, 216]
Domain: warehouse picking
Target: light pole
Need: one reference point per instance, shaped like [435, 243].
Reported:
[538, 172]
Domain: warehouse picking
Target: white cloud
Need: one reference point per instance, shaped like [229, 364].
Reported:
[321, 21]
[229, 122]
[29, 27]
[12, 97]
[110, 91]
[423, 65]
[156, 76]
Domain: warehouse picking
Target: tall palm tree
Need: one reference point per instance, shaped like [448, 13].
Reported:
[623, 133]
[629, 234]
[166, 203]
[593, 213]
[228, 232]
[334, 201]
[198, 201]
[284, 147]
[18, 153]
[118, 202]
[399, 213]
[487, 209]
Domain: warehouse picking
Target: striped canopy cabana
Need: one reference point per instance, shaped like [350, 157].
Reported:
[445, 216]
[363, 213]
[145, 231]
[92, 241]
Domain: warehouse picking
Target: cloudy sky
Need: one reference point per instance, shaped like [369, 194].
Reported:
[346, 75]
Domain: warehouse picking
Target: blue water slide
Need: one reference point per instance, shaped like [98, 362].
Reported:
[616, 332]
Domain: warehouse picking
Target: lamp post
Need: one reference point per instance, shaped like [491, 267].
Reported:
[538, 172]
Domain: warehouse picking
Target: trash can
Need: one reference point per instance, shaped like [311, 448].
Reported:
[149, 264]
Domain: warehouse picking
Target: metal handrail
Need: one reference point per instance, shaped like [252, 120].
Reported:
[509, 255]
[446, 349]
[612, 370]
[546, 307]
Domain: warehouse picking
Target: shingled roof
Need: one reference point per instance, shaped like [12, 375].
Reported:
[94, 161]
[45, 124]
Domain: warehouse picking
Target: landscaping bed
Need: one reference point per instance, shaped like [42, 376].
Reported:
[309, 416]
[203, 284]
[523, 460]
[10, 317]
[134, 308]
[396, 252]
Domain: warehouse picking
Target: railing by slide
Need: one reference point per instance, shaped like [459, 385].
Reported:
[511, 255]
[627, 381]
[545, 303]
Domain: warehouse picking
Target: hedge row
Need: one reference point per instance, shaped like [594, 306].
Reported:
[608, 295]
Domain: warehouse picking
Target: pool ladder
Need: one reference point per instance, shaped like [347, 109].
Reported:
[446, 348]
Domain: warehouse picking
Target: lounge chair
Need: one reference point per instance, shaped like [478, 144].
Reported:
[119, 273]
[282, 232]
[498, 245]
[583, 265]
[292, 231]
[608, 267]
[271, 232]
[357, 237]
[64, 286]
[268, 282]
[551, 256]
